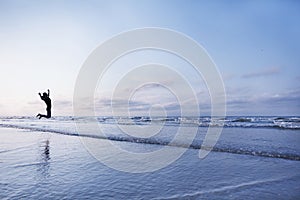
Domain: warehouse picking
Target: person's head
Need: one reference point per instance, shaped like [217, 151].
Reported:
[44, 94]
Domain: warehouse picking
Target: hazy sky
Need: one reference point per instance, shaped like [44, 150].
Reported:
[255, 45]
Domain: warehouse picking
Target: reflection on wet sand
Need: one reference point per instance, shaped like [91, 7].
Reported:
[46, 153]
[44, 158]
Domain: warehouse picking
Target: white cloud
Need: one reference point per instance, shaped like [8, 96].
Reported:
[262, 73]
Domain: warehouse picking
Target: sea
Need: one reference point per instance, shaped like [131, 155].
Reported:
[67, 157]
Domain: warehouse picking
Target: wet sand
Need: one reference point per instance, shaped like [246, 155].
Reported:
[48, 165]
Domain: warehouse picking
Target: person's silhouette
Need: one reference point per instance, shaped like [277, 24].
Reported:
[47, 100]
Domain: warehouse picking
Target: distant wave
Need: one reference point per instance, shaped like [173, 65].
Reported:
[292, 122]
[242, 120]
[156, 141]
[239, 122]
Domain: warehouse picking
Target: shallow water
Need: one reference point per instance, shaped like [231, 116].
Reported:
[35, 164]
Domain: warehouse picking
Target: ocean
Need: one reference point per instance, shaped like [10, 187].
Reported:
[255, 157]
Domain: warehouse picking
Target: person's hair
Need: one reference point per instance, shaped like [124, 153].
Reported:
[44, 94]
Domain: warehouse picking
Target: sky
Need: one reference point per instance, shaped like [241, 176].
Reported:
[254, 44]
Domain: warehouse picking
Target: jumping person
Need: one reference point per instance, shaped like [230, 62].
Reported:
[47, 100]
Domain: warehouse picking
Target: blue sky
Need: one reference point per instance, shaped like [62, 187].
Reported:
[255, 45]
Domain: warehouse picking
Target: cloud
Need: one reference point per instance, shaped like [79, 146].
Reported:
[240, 101]
[34, 102]
[62, 103]
[284, 103]
[136, 107]
[121, 104]
[262, 73]
[289, 98]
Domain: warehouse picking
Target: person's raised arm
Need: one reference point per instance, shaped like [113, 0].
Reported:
[40, 95]
[48, 93]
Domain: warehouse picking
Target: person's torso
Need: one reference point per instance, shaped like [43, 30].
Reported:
[47, 101]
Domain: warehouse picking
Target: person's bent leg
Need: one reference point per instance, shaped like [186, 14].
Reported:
[42, 116]
[48, 113]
